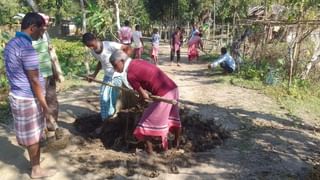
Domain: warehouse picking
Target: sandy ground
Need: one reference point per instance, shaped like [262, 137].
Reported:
[265, 142]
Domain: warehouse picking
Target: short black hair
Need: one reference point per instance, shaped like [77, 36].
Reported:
[88, 37]
[30, 19]
[137, 27]
[126, 23]
[155, 30]
[223, 50]
[179, 27]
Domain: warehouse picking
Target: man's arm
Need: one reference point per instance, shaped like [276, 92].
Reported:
[98, 68]
[201, 45]
[30, 63]
[141, 39]
[33, 76]
[96, 71]
[143, 95]
[220, 60]
[217, 62]
[127, 49]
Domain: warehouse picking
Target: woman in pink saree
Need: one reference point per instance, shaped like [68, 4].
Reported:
[194, 43]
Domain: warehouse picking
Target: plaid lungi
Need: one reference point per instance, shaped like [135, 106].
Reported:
[28, 118]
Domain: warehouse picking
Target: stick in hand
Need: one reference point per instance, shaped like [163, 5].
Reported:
[153, 97]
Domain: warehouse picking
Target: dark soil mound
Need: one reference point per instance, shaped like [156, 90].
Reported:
[197, 136]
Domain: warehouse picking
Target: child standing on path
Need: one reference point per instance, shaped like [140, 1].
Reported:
[175, 45]
[155, 39]
[137, 42]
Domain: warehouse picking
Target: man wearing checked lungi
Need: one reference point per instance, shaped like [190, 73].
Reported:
[27, 95]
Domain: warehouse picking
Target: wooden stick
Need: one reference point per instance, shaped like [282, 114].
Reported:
[153, 97]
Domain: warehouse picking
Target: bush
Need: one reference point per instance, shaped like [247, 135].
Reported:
[72, 55]
[4, 38]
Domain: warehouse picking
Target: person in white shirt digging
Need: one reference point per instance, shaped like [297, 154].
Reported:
[102, 51]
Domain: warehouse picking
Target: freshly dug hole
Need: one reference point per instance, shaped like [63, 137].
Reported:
[197, 136]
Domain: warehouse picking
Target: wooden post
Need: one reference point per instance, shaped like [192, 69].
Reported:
[116, 4]
[214, 24]
[188, 29]
[228, 31]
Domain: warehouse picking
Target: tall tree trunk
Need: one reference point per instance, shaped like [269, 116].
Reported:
[84, 20]
[84, 30]
[33, 5]
[291, 59]
[233, 26]
[116, 4]
[214, 26]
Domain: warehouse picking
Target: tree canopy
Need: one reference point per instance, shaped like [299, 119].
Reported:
[147, 12]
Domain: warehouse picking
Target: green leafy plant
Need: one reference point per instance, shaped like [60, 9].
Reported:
[99, 19]
[71, 56]
[4, 38]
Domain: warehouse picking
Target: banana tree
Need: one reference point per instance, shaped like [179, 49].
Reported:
[99, 19]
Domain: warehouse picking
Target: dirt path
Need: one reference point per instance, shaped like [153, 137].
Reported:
[265, 143]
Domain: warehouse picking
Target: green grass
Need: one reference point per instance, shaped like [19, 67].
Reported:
[249, 84]
[209, 57]
[73, 82]
[302, 99]
[298, 101]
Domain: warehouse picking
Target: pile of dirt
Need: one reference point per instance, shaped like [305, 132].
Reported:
[197, 136]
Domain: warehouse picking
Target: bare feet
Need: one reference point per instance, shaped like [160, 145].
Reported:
[59, 133]
[38, 173]
[51, 124]
[178, 64]
[149, 147]
[176, 143]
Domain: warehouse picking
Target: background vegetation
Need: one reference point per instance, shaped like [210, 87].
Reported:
[268, 65]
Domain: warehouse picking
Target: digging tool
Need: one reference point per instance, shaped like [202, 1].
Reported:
[153, 97]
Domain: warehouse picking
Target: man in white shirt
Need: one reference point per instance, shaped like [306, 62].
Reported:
[137, 42]
[102, 51]
[225, 61]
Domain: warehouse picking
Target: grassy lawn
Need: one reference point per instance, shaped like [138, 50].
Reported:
[297, 101]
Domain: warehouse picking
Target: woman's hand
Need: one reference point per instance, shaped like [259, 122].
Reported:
[143, 95]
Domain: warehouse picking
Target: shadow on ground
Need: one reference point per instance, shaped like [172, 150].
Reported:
[262, 146]
[12, 155]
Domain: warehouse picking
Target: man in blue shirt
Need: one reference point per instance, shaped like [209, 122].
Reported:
[225, 61]
[27, 95]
